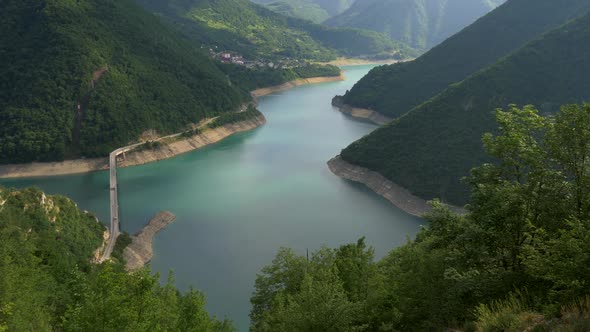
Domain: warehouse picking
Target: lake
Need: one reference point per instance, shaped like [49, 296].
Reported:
[237, 202]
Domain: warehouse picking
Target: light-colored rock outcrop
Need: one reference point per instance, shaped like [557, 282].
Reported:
[289, 85]
[361, 113]
[394, 193]
[140, 251]
[180, 146]
[167, 150]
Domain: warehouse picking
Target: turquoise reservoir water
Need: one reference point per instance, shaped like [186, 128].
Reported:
[240, 200]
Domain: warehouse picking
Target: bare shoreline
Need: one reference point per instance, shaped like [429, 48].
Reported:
[359, 62]
[168, 150]
[295, 83]
[394, 193]
[361, 113]
[140, 251]
[133, 158]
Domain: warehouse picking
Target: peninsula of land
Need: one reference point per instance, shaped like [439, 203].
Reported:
[140, 251]
[168, 147]
[295, 83]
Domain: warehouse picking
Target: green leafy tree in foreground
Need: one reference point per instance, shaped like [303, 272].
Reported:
[48, 283]
[518, 260]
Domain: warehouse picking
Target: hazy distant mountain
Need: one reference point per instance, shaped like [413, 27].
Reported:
[313, 10]
[418, 23]
[396, 89]
[255, 31]
[430, 148]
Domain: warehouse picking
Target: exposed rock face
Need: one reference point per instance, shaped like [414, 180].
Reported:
[361, 113]
[105, 239]
[131, 158]
[140, 251]
[397, 195]
[394, 193]
[289, 85]
[169, 150]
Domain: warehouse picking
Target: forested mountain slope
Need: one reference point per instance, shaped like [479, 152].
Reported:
[79, 78]
[257, 32]
[49, 283]
[313, 10]
[433, 146]
[421, 24]
[517, 260]
[394, 90]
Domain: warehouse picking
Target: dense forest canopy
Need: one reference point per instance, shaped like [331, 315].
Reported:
[81, 78]
[394, 90]
[432, 147]
[421, 24]
[517, 261]
[48, 283]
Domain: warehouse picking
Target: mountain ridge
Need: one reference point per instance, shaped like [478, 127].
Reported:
[429, 149]
[257, 32]
[395, 89]
[154, 81]
[419, 23]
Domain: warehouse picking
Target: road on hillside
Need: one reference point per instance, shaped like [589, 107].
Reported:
[114, 227]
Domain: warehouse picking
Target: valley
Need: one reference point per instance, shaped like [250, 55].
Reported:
[294, 166]
[230, 203]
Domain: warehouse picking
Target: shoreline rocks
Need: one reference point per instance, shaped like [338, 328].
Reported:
[178, 147]
[79, 166]
[132, 158]
[295, 83]
[140, 251]
[397, 195]
[361, 113]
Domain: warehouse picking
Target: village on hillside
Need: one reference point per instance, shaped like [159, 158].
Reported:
[229, 57]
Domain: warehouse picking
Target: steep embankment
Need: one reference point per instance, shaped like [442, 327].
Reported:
[167, 149]
[177, 147]
[396, 89]
[140, 251]
[295, 83]
[397, 195]
[432, 147]
[360, 113]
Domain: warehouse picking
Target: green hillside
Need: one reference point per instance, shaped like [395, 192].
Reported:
[257, 32]
[300, 9]
[48, 283]
[251, 79]
[396, 89]
[517, 260]
[433, 146]
[314, 10]
[421, 24]
[127, 71]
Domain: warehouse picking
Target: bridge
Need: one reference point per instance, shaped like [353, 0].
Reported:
[114, 201]
[114, 228]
